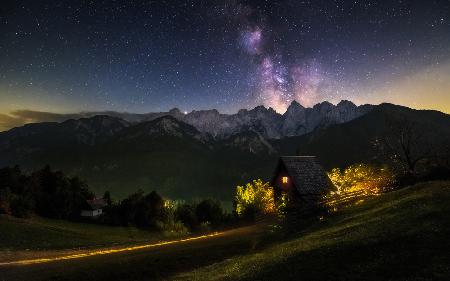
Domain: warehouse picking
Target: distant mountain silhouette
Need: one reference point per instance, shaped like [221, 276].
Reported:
[342, 144]
[297, 120]
[205, 153]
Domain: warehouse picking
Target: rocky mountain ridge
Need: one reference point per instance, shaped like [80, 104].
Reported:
[297, 120]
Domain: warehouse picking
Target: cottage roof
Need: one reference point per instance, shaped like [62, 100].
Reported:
[96, 203]
[307, 174]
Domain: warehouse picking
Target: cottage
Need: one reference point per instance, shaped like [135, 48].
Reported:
[302, 178]
[93, 208]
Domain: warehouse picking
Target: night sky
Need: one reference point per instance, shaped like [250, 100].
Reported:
[143, 56]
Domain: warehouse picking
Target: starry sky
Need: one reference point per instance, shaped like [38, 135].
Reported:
[143, 56]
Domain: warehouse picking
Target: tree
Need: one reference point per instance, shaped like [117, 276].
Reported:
[357, 182]
[363, 178]
[186, 214]
[140, 209]
[255, 198]
[405, 144]
[45, 192]
[209, 211]
[5, 200]
[156, 205]
[20, 206]
[150, 210]
[107, 198]
[129, 208]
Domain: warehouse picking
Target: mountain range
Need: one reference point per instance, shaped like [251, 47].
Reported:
[206, 153]
[297, 120]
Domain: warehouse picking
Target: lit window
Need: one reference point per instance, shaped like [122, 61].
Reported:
[284, 179]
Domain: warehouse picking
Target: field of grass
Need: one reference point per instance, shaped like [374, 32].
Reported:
[46, 234]
[402, 235]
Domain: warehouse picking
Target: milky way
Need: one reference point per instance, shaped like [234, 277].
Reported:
[277, 82]
[251, 41]
[142, 56]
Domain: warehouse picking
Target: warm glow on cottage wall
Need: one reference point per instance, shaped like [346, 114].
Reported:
[284, 179]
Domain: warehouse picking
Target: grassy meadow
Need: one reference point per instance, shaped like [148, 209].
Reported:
[39, 233]
[401, 235]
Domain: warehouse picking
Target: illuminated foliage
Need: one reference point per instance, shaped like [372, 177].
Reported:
[356, 183]
[256, 197]
[282, 205]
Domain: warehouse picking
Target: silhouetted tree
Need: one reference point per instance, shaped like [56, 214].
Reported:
[52, 194]
[140, 209]
[21, 206]
[149, 210]
[107, 198]
[129, 207]
[186, 214]
[5, 200]
[45, 192]
[209, 211]
[405, 144]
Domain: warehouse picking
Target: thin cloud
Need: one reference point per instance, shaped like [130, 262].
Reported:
[39, 116]
[8, 121]
[20, 117]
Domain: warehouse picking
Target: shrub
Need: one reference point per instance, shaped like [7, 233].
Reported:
[177, 227]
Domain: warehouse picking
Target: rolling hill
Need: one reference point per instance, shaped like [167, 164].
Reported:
[401, 235]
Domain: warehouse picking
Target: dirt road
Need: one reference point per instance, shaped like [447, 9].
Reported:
[154, 261]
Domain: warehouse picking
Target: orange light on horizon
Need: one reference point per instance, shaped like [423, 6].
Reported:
[284, 179]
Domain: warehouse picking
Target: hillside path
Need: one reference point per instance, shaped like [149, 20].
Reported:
[153, 261]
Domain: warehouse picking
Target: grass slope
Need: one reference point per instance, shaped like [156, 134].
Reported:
[40, 233]
[403, 235]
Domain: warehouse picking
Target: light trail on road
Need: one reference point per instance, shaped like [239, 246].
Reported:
[108, 251]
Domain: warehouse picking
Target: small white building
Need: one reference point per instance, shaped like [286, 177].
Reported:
[93, 208]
